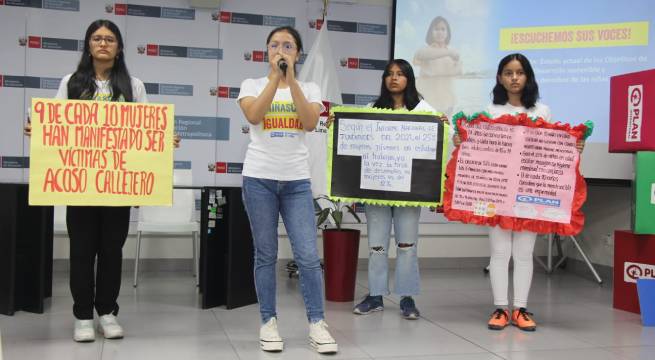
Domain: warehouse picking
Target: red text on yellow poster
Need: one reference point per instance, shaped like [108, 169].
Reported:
[101, 153]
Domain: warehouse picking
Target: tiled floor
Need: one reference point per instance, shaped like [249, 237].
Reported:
[162, 321]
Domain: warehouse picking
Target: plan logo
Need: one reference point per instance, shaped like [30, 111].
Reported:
[635, 108]
[633, 271]
[537, 200]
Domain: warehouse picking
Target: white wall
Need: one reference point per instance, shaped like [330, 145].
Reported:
[607, 209]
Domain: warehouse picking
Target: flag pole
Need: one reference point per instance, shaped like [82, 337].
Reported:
[325, 6]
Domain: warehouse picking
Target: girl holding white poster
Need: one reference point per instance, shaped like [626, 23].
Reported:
[276, 181]
[516, 91]
[397, 91]
[98, 231]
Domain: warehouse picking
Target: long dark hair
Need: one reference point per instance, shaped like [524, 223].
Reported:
[296, 37]
[82, 83]
[411, 97]
[429, 38]
[530, 93]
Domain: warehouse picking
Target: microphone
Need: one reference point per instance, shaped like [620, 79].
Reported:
[282, 64]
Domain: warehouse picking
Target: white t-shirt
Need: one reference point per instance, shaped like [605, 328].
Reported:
[103, 91]
[538, 110]
[424, 106]
[277, 149]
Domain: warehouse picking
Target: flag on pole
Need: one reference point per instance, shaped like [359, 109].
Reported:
[320, 68]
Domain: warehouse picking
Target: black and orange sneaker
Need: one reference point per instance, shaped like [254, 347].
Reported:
[499, 319]
[522, 319]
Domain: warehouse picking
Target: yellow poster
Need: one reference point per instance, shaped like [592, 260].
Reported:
[101, 153]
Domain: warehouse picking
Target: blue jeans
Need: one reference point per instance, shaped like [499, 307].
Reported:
[265, 200]
[405, 222]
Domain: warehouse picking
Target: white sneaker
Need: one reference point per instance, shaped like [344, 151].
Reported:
[84, 331]
[109, 327]
[320, 338]
[269, 337]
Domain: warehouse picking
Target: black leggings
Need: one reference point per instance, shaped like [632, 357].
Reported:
[96, 231]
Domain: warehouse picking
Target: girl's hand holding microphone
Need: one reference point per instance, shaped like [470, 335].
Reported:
[283, 61]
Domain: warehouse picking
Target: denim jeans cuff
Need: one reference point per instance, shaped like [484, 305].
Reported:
[266, 318]
[379, 293]
[315, 318]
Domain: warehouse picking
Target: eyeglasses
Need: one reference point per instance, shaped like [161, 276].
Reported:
[110, 40]
[286, 46]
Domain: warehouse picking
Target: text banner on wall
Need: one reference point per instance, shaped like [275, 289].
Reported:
[386, 157]
[517, 173]
[101, 153]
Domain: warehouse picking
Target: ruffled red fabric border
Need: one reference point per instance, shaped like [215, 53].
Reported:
[512, 223]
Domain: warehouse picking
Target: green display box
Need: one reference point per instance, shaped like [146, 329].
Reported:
[643, 205]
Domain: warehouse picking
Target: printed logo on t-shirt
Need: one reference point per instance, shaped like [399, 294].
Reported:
[281, 120]
[106, 96]
[102, 97]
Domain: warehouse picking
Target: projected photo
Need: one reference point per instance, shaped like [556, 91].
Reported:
[574, 47]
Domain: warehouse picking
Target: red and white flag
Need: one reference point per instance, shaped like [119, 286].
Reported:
[320, 68]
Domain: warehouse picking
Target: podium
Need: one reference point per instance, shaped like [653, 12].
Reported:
[25, 251]
[634, 258]
[643, 202]
[226, 250]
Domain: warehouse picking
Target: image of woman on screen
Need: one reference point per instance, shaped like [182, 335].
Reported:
[276, 182]
[516, 91]
[439, 65]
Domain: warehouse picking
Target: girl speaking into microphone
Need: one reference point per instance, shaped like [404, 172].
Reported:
[276, 181]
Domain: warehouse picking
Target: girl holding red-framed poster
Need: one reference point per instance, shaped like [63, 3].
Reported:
[516, 92]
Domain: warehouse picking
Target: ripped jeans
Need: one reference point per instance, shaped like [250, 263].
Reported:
[405, 222]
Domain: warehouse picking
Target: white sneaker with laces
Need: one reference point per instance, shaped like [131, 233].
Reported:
[109, 327]
[269, 337]
[84, 331]
[320, 338]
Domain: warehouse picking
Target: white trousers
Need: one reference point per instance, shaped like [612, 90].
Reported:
[516, 244]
